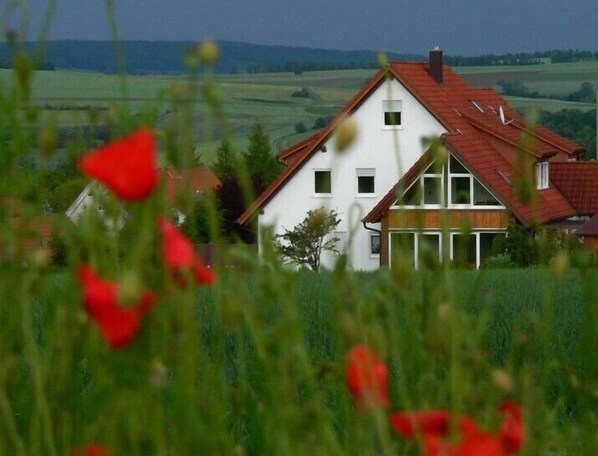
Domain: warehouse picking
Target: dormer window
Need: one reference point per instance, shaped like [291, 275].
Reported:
[392, 112]
[542, 179]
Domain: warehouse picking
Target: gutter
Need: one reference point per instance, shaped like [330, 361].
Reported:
[370, 228]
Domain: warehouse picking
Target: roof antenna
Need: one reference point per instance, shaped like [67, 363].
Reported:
[501, 113]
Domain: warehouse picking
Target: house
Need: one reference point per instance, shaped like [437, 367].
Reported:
[394, 191]
[175, 182]
[27, 231]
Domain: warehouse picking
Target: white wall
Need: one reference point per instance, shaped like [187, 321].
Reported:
[390, 151]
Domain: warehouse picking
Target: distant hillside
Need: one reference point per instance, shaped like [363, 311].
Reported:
[168, 56]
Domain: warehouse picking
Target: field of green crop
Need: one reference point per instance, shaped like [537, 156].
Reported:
[255, 364]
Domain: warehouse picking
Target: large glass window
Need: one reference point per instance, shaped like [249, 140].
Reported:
[460, 190]
[481, 196]
[402, 244]
[322, 181]
[464, 250]
[432, 189]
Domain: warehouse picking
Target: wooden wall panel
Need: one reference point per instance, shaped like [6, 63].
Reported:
[419, 219]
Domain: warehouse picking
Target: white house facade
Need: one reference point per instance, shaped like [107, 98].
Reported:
[397, 113]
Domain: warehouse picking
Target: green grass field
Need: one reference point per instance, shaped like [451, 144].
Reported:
[265, 371]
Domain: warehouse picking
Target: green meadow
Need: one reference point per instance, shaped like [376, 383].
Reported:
[255, 364]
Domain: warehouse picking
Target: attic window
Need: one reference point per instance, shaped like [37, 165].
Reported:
[542, 171]
[392, 112]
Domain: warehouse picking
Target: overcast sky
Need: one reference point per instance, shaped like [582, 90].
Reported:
[468, 27]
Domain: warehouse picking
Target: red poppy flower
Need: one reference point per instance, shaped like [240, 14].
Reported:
[367, 378]
[436, 422]
[434, 427]
[478, 444]
[90, 450]
[180, 257]
[409, 424]
[511, 430]
[127, 166]
[117, 324]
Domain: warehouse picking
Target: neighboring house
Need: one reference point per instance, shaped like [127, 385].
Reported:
[175, 181]
[391, 196]
[25, 234]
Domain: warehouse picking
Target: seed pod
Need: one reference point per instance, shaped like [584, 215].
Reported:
[208, 52]
[346, 132]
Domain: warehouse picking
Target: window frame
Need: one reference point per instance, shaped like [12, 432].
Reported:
[369, 173]
[543, 175]
[392, 106]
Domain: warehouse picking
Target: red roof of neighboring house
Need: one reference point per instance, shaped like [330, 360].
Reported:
[483, 132]
[33, 233]
[578, 182]
[197, 180]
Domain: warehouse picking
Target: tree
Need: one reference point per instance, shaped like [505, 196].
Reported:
[262, 165]
[227, 161]
[304, 244]
[300, 127]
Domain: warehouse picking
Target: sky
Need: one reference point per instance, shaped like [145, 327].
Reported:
[459, 27]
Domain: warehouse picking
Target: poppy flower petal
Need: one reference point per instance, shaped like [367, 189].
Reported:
[118, 325]
[366, 377]
[127, 166]
[409, 424]
[478, 444]
[180, 257]
[511, 430]
[90, 450]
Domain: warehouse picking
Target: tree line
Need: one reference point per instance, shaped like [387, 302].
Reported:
[523, 58]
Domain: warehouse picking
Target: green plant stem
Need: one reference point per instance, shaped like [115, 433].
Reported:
[34, 359]
[10, 425]
[120, 60]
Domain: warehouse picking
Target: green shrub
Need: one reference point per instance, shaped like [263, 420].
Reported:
[500, 261]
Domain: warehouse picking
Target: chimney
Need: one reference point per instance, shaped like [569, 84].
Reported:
[436, 64]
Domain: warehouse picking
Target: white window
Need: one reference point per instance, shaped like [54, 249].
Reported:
[473, 249]
[412, 246]
[366, 181]
[322, 182]
[392, 113]
[426, 191]
[542, 180]
[460, 183]
[341, 242]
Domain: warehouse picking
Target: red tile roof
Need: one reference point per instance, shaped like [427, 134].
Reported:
[484, 132]
[578, 182]
[32, 233]
[197, 180]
